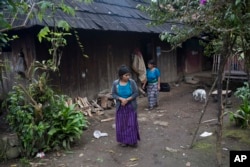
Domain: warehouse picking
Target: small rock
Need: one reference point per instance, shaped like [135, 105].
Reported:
[162, 123]
[12, 152]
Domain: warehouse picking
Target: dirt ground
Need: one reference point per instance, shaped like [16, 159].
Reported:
[166, 134]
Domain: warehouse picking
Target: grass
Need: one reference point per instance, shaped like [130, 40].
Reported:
[204, 145]
[240, 135]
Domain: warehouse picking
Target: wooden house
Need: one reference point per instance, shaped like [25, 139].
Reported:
[109, 30]
[234, 68]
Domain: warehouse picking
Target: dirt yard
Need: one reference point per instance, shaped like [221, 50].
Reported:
[166, 134]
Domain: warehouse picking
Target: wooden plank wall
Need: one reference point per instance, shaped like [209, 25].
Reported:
[7, 74]
[86, 77]
[167, 63]
[10, 57]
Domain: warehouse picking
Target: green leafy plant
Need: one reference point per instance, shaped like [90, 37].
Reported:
[41, 118]
[58, 41]
[68, 124]
[242, 115]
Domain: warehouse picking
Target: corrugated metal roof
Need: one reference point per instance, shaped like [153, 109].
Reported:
[112, 15]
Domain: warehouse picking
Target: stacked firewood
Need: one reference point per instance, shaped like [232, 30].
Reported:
[103, 102]
[106, 100]
[88, 107]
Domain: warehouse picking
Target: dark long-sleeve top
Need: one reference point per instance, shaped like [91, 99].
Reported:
[134, 94]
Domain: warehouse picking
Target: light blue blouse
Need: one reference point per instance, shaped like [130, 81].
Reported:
[124, 91]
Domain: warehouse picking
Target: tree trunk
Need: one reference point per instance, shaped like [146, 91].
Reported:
[203, 112]
[220, 119]
[224, 56]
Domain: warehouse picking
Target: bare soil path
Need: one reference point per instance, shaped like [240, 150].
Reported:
[166, 134]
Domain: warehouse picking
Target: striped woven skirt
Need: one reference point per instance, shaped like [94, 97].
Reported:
[127, 129]
[152, 90]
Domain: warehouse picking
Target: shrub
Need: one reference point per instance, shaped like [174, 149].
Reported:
[41, 118]
[242, 115]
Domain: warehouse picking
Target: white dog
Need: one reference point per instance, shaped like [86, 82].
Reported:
[200, 94]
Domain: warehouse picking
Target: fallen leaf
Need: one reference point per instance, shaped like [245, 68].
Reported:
[110, 151]
[133, 159]
[171, 149]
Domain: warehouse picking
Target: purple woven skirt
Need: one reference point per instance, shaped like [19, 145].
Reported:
[127, 129]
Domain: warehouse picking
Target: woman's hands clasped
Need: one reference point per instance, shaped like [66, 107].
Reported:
[123, 101]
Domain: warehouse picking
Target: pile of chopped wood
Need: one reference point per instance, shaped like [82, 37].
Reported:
[104, 101]
[88, 107]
